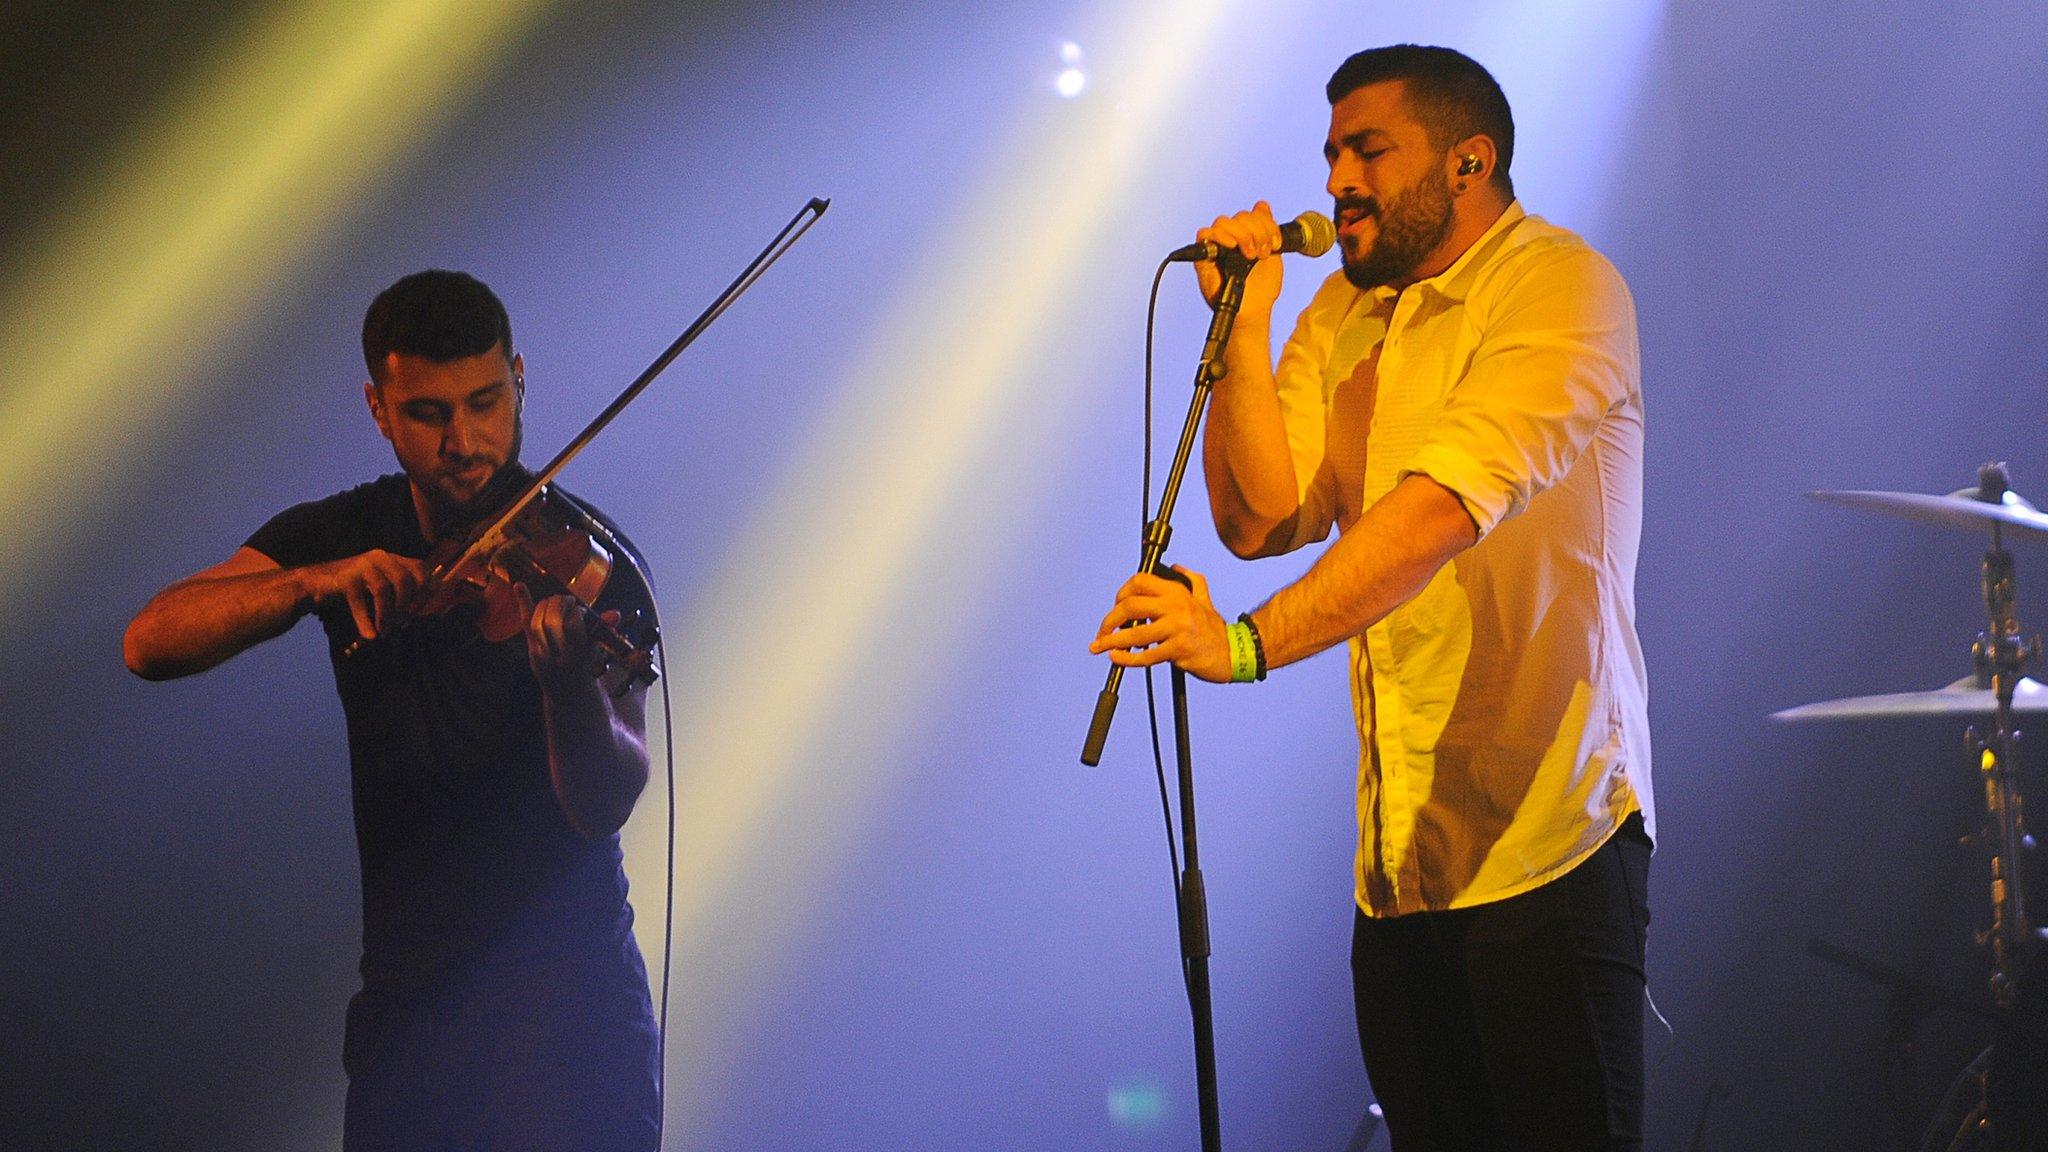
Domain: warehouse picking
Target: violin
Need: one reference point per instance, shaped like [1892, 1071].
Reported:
[551, 547]
[546, 543]
[542, 541]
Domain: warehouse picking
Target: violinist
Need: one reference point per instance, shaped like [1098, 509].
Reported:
[504, 1002]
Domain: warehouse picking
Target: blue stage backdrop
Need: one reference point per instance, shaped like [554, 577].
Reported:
[888, 496]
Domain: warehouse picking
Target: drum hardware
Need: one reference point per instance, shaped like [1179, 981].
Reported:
[1969, 696]
[1998, 691]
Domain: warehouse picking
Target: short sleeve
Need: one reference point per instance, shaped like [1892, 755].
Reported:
[1556, 354]
[295, 537]
[373, 515]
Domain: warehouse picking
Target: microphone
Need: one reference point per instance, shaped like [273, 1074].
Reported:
[1310, 234]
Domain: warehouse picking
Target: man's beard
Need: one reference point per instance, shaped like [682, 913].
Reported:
[459, 514]
[1412, 225]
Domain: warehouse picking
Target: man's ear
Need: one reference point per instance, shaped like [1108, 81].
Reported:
[1471, 161]
[519, 382]
[374, 397]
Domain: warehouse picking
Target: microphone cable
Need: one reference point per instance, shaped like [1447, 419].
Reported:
[668, 898]
[590, 523]
[1151, 697]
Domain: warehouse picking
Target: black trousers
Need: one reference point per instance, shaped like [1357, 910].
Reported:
[555, 1055]
[1514, 1026]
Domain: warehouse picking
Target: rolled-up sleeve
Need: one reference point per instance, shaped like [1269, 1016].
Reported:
[1557, 353]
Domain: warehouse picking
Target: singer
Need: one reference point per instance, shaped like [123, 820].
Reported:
[1462, 403]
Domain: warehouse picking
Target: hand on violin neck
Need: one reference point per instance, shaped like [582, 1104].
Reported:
[559, 645]
[379, 588]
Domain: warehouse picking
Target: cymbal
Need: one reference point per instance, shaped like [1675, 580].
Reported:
[1960, 509]
[1962, 698]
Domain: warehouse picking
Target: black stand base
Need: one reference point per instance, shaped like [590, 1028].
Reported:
[1194, 924]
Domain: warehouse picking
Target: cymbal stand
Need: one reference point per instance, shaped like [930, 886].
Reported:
[2001, 656]
[2006, 1114]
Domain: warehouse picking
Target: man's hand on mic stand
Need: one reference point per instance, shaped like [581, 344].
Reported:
[1156, 620]
[1255, 235]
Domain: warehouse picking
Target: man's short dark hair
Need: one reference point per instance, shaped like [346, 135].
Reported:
[436, 314]
[1452, 95]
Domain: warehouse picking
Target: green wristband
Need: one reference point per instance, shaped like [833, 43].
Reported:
[1251, 628]
[1244, 653]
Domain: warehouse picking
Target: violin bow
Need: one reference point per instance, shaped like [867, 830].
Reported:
[493, 535]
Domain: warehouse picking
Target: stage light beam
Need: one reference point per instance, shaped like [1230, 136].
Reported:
[218, 202]
[861, 562]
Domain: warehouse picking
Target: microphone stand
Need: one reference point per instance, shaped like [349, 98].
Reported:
[1160, 529]
[1193, 899]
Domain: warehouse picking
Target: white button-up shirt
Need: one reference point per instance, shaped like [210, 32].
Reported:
[1503, 713]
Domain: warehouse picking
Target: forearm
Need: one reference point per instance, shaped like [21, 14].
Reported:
[597, 754]
[1388, 556]
[1245, 458]
[199, 622]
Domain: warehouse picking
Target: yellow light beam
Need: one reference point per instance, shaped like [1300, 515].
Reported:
[821, 620]
[109, 325]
